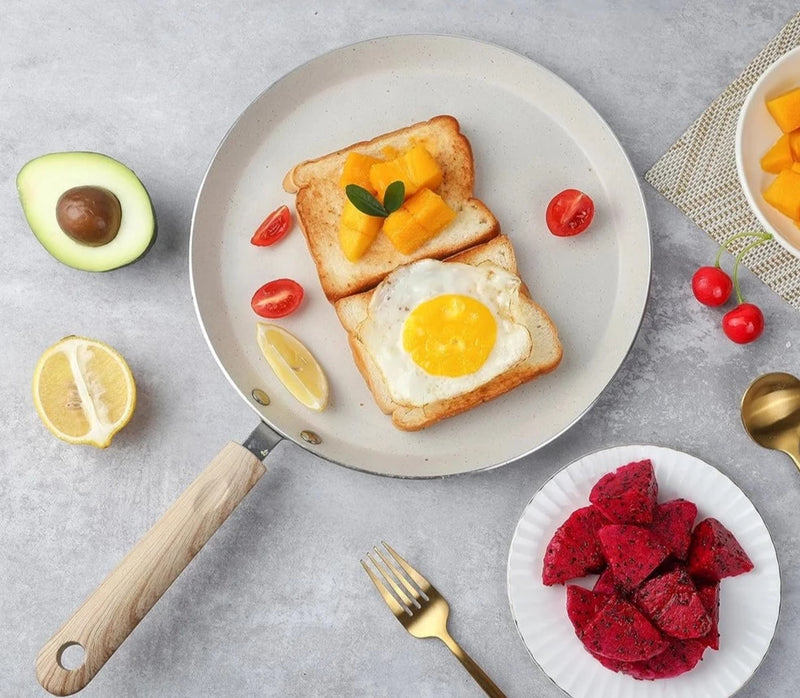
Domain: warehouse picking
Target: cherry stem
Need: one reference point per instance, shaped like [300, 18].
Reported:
[724, 246]
[762, 238]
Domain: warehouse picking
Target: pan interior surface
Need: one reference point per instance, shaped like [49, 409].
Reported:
[532, 135]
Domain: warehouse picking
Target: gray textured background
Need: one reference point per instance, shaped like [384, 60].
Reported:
[276, 604]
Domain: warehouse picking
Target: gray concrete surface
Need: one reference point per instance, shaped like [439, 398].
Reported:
[276, 604]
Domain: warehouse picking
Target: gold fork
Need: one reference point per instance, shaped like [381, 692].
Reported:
[420, 608]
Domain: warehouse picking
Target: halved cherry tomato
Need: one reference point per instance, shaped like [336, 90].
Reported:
[277, 298]
[569, 213]
[274, 227]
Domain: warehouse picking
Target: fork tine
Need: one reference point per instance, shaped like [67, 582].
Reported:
[391, 602]
[387, 577]
[423, 583]
[410, 588]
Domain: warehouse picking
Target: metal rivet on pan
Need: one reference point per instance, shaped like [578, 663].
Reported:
[260, 396]
[310, 437]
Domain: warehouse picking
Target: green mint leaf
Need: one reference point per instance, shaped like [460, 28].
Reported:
[394, 196]
[364, 201]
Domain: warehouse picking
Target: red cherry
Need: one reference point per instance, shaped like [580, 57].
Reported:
[711, 286]
[744, 323]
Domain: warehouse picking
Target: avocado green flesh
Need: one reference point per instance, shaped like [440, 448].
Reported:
[42, 181]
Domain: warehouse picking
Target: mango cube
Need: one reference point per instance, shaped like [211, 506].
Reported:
[795, 167]
[356, 171]
[422, 168]
[779, 156]
[382, 174]
[419, 219]
[784, 193]
[405, 231]
[416, 168]
[430, 210]
[785, 109]
[357, 231]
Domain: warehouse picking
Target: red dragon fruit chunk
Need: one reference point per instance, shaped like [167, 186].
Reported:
[653, 596]
[632, 551]
[628, 495]
[709, 595]
[574, 550]
[583, 605]
[679, 657]
[613, 664]
[605, 583]
[672, 523]
[620, 631]
[714, 553]
[673, 605]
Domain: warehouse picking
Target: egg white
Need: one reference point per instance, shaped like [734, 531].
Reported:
[381, 333]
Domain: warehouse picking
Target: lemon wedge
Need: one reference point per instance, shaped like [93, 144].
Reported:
[83, 391]
[294, 365]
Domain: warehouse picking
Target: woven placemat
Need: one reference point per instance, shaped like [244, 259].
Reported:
[698, 175]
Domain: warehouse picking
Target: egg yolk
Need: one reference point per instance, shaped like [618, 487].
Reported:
[450, 335]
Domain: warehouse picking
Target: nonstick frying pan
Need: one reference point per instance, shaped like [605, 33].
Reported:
[532, 136]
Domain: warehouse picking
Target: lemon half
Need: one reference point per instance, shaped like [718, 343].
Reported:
[84, 391]
[294, 365]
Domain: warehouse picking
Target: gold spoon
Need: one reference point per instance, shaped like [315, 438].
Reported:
[771, 413]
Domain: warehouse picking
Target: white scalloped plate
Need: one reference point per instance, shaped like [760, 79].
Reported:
[749, 603]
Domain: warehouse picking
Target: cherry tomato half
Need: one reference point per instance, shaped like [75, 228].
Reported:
[277, 298]
[744, 323]
[711, 286]
[569, 213]
[274, 227]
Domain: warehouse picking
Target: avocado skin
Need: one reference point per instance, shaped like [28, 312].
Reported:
[41, 182]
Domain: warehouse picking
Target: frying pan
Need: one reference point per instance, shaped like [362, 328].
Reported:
[544, 137]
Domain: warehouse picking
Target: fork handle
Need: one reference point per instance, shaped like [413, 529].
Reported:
[480, 676]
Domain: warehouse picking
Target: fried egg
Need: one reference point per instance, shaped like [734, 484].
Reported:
[440, 329]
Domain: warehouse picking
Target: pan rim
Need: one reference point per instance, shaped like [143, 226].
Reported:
[284, 434]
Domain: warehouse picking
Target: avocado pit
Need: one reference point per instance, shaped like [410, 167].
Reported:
[89, 215]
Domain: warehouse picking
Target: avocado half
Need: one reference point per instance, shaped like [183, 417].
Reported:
[42, 182]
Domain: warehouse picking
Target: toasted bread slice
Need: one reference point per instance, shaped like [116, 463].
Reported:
[545, 353]
[320, 201]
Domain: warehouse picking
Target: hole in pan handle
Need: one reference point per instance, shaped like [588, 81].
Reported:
[114, 609]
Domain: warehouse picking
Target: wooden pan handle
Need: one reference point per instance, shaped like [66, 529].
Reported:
[114, 609]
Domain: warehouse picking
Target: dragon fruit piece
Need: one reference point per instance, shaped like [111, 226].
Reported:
[583, 605]
[627, 495]
[613, 664]
[632, 551]
[672, 523]
[652, 597]
[714, 553]
[672, 603]
[574, 550]
[605, 583]
[619, 631]
[679, 657]
[709, 595]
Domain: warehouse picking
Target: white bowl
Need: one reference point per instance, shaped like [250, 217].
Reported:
[756, 131]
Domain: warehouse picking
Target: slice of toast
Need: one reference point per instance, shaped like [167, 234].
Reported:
[320, 201]
[545, 354]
